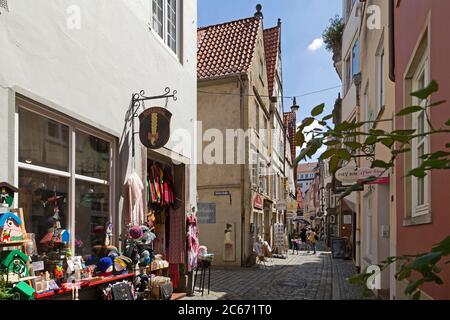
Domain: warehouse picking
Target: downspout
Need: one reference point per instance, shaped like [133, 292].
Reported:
[243, 226]
[391, 41]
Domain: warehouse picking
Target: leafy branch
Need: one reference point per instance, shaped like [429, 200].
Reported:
[347, 139]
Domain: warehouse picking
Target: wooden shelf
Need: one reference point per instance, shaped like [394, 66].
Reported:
[13, 243]
[91, 284]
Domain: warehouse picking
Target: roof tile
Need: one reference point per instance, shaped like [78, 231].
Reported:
[227, 48]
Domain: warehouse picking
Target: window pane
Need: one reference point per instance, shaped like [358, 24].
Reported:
[41, 196]
[172, 24]
[355, 59]
[91, 215]
[420, 181]
[158, 17]
[43, 142]
[93, 157]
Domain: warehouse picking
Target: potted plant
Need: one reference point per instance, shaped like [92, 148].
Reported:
[332, 37]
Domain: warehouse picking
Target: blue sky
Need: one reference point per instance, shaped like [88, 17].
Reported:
[303, 22]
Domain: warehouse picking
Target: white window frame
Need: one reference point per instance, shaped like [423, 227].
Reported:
[368, 208]
[423, 69]
[165, 38]
[73, 177]
[380, 76]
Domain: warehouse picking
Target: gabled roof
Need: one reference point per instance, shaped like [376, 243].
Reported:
[272, 42]
[8, 215]
[227, 48]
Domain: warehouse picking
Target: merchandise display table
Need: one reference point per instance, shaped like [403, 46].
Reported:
[86, 291]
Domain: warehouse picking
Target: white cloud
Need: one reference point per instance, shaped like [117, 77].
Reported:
[316, 45]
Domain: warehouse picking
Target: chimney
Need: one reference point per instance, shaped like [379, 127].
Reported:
[258, 13]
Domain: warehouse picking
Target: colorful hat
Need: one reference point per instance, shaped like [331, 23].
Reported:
[136, 233]
[105, 264]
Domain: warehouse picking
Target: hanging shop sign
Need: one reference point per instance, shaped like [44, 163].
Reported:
[155, 127]
[258, 202]
[292, 206]
[281, 205]
[350, 175]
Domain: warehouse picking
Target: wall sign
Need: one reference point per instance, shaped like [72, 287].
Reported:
[206, 213]
[154, 129]
[258, 202]
[354, 174]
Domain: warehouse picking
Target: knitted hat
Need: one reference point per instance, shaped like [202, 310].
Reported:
[104, 264]
[136, 233]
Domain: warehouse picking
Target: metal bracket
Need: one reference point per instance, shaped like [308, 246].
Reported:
[138, 101]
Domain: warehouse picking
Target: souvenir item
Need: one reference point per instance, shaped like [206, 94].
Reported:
[109, 234]
[7, 194]
[11, 227]
[16, 262]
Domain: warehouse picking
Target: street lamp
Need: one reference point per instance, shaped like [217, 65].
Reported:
[295, 106]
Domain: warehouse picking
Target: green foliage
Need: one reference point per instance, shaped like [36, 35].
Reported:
[422, 268]
[332, 36]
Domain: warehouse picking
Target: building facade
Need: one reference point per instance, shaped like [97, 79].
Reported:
[239, 69]
[420, 56]
[67, 75]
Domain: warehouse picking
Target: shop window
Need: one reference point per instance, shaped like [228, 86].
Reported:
[43, 142]
[92, 158]
[44, 200]
[92, 215]
[49, 205]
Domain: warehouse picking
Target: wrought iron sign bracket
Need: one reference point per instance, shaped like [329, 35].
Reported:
[368, 152]
[138, 101]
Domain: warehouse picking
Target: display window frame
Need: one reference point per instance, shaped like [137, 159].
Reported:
[74, 126]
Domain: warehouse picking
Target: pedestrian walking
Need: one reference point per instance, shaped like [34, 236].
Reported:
[303, 237]
[312, 240]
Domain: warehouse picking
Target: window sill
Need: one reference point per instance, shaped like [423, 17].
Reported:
[418, 220]
[163, 44]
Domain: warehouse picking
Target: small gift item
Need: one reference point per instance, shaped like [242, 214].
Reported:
[7, 195]
[11, 227]
[109, 234]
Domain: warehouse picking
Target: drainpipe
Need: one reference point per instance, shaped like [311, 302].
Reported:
[391, 41]
[243, 167]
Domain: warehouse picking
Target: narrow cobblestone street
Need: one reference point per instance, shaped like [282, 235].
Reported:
[301, 276]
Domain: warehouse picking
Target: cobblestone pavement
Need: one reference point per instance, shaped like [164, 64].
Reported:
[301, 276]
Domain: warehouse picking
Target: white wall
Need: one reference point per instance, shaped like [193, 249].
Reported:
[91, 73]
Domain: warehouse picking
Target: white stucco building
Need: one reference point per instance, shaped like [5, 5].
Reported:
[68, 70]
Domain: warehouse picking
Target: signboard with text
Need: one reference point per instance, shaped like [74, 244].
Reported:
[206, 213]
[351, 175]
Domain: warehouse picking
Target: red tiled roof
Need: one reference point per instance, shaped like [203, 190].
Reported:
[227, 48]
[271, 48]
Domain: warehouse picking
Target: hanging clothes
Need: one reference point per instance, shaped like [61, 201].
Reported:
[135, 198]
[192, 241]
[176, 237]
